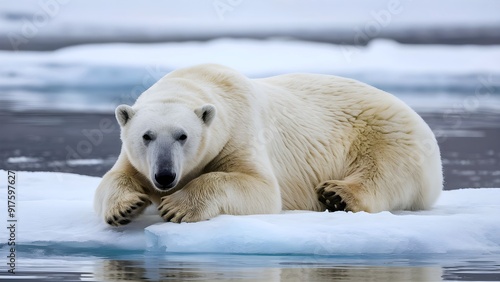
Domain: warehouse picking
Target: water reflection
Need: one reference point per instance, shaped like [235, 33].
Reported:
[171, 267]
[130, 270]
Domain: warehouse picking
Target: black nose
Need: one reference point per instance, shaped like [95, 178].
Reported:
[165, 178]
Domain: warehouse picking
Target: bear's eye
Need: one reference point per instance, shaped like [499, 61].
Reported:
[182, 137]
[147, 137]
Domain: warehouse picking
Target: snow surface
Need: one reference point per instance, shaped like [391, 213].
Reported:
[16, 160]
[78, 162]
[54, 210]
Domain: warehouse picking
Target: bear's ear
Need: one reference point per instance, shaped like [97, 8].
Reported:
[206, 113]
[123, 114]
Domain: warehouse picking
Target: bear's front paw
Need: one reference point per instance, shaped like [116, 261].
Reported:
[337, 196]
[179, 207]
[127, 207]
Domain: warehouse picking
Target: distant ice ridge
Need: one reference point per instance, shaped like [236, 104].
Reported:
[54, 212]
[99, 77]
[255, 58]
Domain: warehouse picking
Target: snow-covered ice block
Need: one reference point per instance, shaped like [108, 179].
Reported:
[462, 221]
[54, 211]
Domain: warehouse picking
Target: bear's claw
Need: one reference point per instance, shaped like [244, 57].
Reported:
[123, 213]
[178, 207]
[169, 215]
[331, 200]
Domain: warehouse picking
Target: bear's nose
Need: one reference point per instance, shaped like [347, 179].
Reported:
[165, 178]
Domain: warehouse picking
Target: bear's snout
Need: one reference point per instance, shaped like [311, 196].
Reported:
[165, 179]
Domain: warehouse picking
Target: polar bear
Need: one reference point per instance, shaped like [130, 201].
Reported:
[207, 140]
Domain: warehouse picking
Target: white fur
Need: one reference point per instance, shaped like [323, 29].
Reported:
[272, 143]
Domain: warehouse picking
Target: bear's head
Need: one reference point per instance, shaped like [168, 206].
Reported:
[162, 141]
